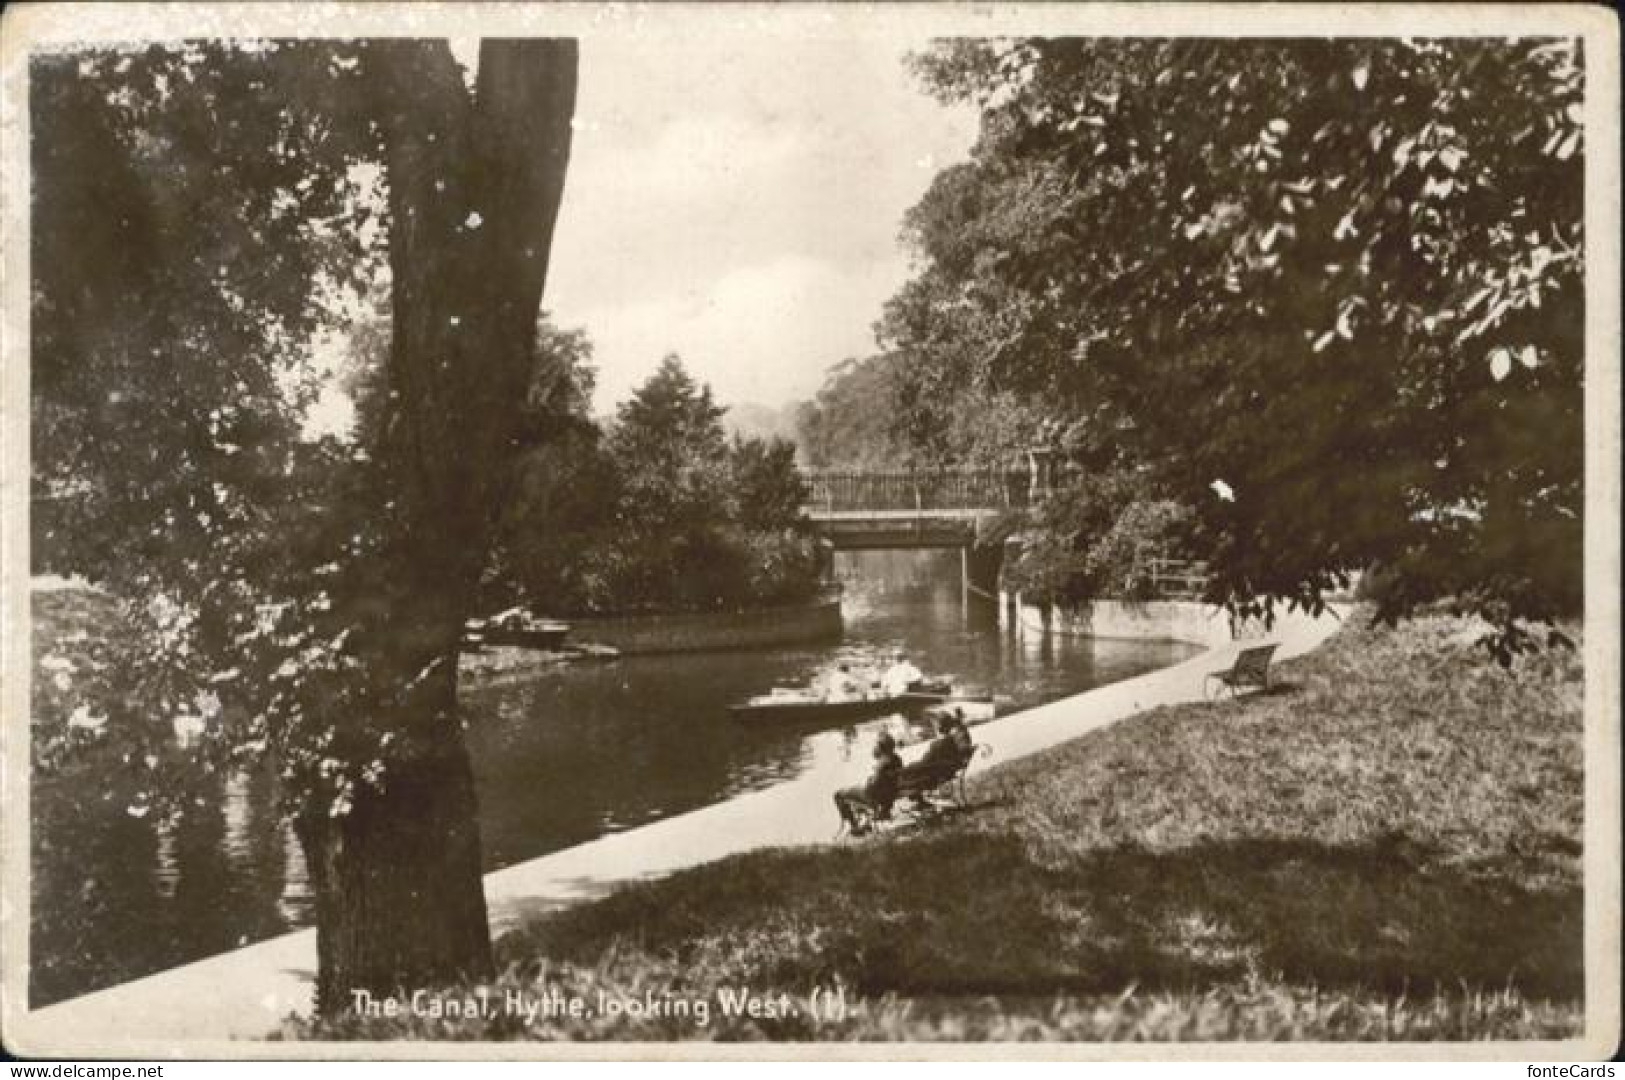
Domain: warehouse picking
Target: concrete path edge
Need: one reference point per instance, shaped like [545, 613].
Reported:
[229, 1003]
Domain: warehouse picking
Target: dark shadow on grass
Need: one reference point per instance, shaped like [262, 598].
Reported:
[970, 806]
[906, 820]
[960, 913]
[1276, 688]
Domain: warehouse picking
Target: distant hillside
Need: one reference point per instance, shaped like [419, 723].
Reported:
[752, 420]
[850, 424]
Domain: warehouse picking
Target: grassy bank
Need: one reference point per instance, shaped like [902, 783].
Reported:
[1387, 846]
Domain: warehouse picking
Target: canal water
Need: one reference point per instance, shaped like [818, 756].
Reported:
[560, 758]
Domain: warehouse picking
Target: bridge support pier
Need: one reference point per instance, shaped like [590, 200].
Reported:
[875, 530]
[979, 571]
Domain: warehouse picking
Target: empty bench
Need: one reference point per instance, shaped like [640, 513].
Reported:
[1251, 669]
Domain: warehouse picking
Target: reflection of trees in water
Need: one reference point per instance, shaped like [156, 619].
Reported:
[293, 902]
[166, 871]
[92, 884]
[559, 760]
[237, 816]
[118, 896]
[563, 759]
[883, 572]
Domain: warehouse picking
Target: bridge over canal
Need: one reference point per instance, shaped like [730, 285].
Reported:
[857, 510]
[866, 509]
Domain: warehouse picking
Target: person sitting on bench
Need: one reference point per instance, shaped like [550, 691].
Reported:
[961, 734]
[943, 758]
[872, 799]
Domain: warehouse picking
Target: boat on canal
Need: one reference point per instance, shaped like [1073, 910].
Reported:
[785, 703]
[516, 626]
[800, 704]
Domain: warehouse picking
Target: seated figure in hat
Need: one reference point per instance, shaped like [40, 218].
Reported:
[871, 800]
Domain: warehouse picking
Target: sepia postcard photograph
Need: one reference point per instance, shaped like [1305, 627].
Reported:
[928, 531]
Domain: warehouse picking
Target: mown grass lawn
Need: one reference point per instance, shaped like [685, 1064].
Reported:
[1385, 847]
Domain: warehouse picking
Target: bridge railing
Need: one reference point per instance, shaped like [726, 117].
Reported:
[831, 490]
[1174, 579]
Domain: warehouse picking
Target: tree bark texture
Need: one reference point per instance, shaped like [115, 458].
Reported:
[475, 182]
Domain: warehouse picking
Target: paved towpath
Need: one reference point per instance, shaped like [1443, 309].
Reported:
[242, 995]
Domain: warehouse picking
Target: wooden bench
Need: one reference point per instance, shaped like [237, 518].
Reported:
[1252, 668]
[915, 786]
[919, 784]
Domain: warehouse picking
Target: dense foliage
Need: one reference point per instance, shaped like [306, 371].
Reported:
[854, 421]
[660, 512]
[1326, 294]
[172, 312]
[206, 217]
[555, 508]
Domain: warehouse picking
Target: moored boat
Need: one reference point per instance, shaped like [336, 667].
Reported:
[516, 626]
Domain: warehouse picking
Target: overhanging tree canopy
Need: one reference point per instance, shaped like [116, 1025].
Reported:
[197, 209]
[1342, 279]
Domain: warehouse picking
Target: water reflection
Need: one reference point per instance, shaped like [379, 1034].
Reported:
[560, 759]
[166, 871]
[293, 902]
[116, 896]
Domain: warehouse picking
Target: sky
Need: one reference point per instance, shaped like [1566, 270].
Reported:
[741, 207]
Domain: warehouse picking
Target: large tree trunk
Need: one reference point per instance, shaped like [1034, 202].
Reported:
[397, 878]
[474, 191]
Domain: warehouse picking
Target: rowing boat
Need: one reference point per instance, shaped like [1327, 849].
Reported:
[802, 705]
